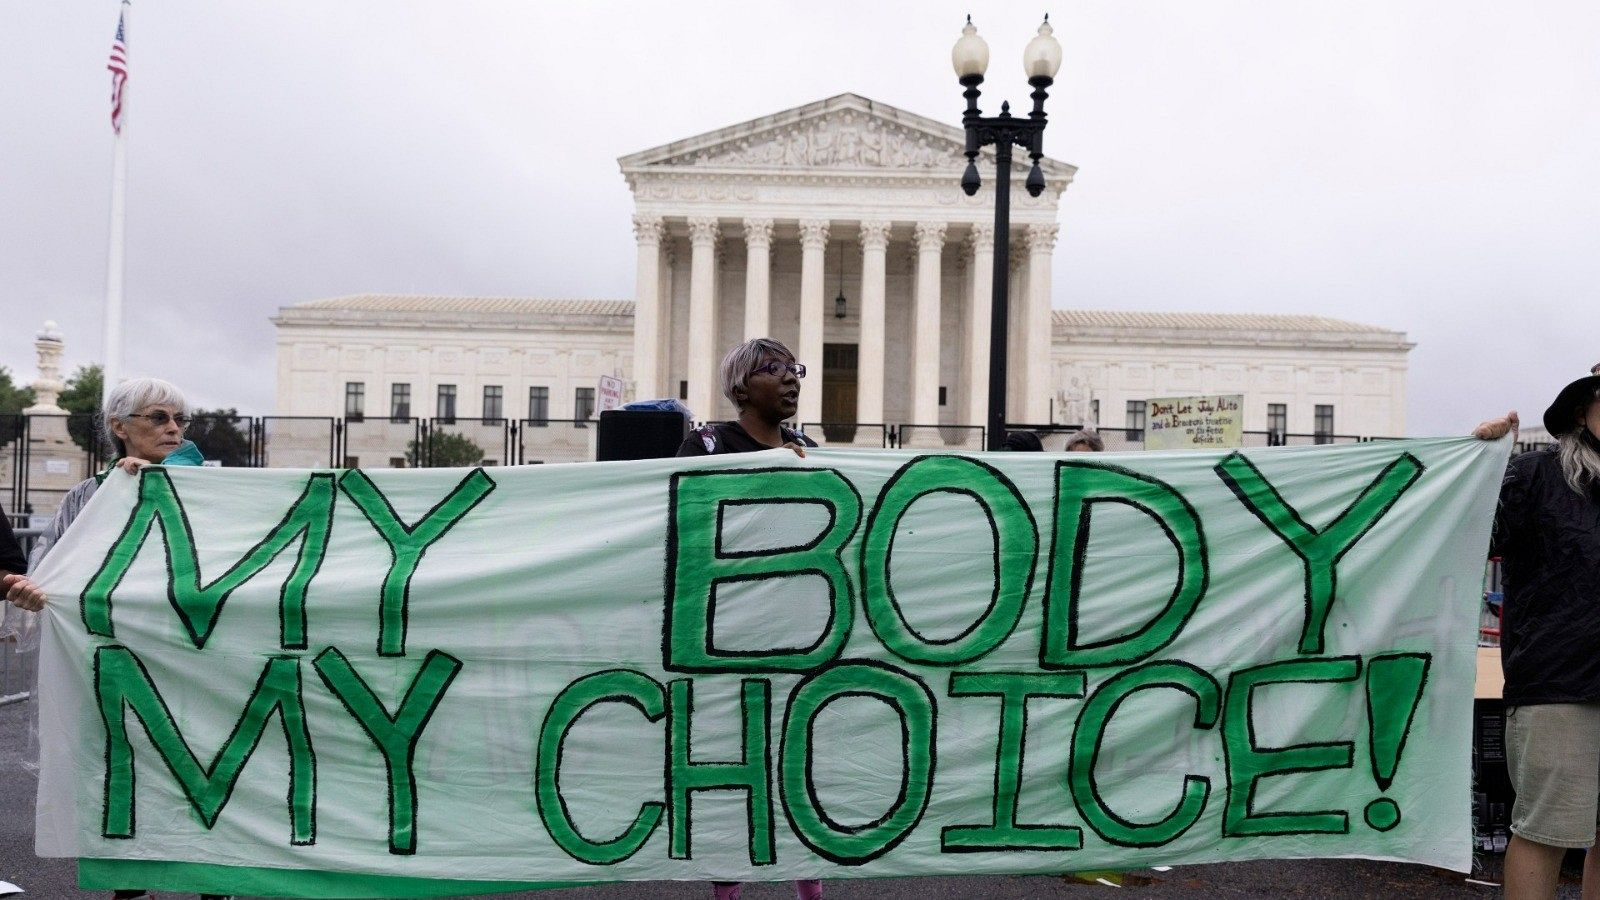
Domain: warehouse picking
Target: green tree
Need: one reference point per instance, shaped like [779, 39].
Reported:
[82, 399]
[446, 449]
[219, 435]
[14, 399]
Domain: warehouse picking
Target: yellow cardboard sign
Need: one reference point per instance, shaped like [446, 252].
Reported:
[1194, 423]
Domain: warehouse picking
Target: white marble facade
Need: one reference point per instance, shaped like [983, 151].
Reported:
[747, 231]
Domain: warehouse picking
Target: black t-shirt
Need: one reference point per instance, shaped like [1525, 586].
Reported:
[1549, 537]
[730, 437]
[11, 558]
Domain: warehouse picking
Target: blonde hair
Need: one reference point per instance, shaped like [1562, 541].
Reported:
[1580, 463]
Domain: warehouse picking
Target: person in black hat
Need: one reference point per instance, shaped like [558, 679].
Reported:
[1547, 533]
[1022, 442]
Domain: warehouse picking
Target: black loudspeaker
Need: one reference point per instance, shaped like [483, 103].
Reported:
[639, 434]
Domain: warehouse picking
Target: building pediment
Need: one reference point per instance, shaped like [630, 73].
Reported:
[844, 134]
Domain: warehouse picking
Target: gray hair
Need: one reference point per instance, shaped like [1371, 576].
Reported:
[1086, 436]
[743, 359]
[131, 396]
[1580, 464]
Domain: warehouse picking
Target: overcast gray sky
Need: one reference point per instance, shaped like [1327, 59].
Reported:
[1432, 167]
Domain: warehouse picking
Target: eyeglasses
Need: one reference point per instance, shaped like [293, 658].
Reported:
[159, 418]
[798, 370]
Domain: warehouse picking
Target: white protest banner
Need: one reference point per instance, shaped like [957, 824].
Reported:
[761, 667]
[1211, 422]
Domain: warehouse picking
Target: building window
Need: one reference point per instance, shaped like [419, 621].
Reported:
[1135, 423]
[493, 401]
[538, 406]
[943, 396]
[683, 390]
[400, 401]
[445, 410]
[1094, 413]
[355, 400]
[583, 404]
[1324, 426]
[1277, 423]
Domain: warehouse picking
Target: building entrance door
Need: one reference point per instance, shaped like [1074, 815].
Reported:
[839, 392]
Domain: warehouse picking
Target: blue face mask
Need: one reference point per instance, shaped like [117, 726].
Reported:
[187, 454]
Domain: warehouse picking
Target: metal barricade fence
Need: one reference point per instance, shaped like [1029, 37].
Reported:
[468, 442]
[938, 437]
[540, 441]
[848, 434]
[297, 442]
[16, 668]
[382, 443]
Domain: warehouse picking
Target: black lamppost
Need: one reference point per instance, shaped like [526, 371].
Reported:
[1040, 60]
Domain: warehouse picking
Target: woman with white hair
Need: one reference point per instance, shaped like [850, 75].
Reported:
[1547, 533]
[143, 421]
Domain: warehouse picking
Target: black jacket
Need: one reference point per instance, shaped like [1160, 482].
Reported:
[730, 437]
[11, 558]
[1549, 538]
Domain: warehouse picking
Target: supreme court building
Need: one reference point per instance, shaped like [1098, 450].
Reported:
[759, 229]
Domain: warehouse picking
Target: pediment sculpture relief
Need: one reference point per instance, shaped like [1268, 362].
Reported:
[846, 141]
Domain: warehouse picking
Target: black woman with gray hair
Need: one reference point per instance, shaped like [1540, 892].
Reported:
[143, 420]
[762, 380]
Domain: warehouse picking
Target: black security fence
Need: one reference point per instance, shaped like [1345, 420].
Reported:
[955, 438]
[1054, 437]
[42, 457]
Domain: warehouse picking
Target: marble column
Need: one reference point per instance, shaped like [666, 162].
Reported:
[813, 247]
[869, 371]
[757, 278]
[1037, 390]
[925, 326]
[702, 361]
[975, 350]
[1016, 322]
[648, 321]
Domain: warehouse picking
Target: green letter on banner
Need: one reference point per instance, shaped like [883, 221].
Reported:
[750, 774]
[697, 563]
[1079, 486]
[397, 735]
[121, 683]
[1319, 550]
[852, 845]
[407, 543]
[1090, 734]
[1016, 548]
[1247, 763]
[307, 521]
[1014, 690]
[615, 686]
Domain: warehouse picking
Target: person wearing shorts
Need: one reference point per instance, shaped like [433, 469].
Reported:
[1547, 532]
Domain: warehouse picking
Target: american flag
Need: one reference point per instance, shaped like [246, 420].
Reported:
[119, 74]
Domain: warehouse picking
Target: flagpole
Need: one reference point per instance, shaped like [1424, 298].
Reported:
[114, 261]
